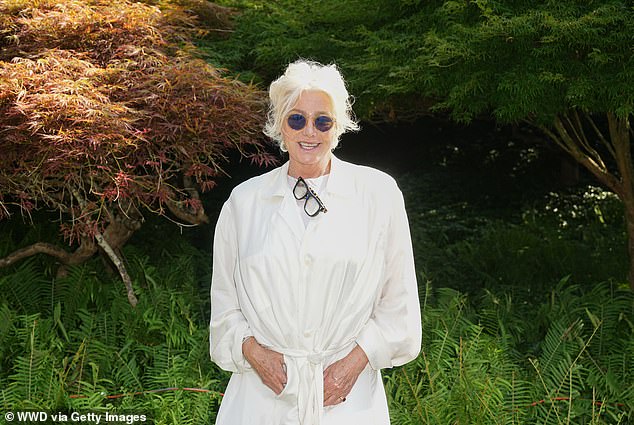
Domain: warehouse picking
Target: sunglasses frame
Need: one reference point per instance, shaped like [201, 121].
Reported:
[318, 126]
[310, 193]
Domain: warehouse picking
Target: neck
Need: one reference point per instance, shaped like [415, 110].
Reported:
[308, 171]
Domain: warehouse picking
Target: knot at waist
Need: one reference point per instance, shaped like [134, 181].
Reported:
[305, 380]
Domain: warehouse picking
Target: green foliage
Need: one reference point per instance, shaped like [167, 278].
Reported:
[474, 369]
[495, 354]
[470, 237]
[508, 344]
[565, 67]
[268, 35]
[516, 59]
[73, 341]
[534, 60]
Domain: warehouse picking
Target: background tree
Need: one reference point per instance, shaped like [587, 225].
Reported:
[107, 114]
[565, 67]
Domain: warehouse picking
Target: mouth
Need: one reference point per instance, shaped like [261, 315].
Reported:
[308, 146]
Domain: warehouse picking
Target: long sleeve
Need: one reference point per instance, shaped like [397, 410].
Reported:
[392, 336]
[228, 327]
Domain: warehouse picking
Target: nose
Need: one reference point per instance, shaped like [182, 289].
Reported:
[310, 129]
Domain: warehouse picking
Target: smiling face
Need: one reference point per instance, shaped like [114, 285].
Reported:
[309, 149]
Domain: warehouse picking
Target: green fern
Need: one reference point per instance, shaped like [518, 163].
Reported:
[85, 343]
[27, 288]
[34, 383]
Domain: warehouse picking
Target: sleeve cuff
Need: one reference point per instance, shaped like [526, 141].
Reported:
[239, 360]
[373, 344]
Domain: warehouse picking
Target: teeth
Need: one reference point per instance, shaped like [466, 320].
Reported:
[308, 145]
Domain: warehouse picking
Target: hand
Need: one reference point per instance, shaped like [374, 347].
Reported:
[340, 377]
[268, 364]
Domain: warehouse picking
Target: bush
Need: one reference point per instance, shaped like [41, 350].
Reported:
[471, 247]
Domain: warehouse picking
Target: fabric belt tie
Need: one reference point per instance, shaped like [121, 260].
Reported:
[308, 370]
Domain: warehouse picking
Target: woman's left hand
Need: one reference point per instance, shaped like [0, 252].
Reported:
[340, 377]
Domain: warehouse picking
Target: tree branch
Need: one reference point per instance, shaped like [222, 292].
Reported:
[85, 251]
[620, 136]
[175, 208]
[116, 260]
[581, 140]
[599, 133]
[563, 138]
[107, 248]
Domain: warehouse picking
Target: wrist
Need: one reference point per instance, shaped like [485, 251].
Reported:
[247, 345]
[360, 357]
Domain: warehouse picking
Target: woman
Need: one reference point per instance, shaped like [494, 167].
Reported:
[313, 287]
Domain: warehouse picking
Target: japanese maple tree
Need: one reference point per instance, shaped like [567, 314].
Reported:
[107, 115]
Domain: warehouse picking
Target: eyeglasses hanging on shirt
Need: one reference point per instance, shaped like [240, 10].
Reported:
[312, 203]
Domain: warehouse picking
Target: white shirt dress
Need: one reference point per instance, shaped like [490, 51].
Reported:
[311, 292]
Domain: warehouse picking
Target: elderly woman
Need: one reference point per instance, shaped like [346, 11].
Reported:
[313, 289]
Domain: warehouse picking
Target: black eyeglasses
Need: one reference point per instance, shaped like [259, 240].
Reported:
[312, 205]
[298, 121]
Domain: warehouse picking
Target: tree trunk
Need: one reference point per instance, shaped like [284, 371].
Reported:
[629, 223]
[569, 133]
[569, 171]
[620, 135]
[121, 226]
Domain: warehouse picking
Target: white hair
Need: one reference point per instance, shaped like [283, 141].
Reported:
[303, 75]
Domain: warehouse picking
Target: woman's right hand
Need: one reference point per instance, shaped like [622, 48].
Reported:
[268, 364]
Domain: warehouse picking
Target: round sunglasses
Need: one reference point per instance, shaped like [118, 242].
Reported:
[298, 121]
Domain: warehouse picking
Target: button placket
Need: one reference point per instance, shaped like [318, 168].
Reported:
[301, 287]
[306, 263]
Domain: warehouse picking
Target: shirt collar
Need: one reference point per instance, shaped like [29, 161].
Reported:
[339, 182]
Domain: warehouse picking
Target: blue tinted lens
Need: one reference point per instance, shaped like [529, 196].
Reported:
[323, 123]
[296, 121]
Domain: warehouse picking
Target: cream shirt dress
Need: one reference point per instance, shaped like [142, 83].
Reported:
[311, 292]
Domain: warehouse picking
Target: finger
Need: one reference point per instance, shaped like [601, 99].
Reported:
[333, 387]
[282, 374]
[329, 389]
[282, 377]
[330, 379]
[279, 390]
[274, 379]
[330, 401]
[334, 400]
[284, 371]
[332, 395]
[278, 385]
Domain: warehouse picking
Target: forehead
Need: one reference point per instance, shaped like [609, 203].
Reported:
[311, 101]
